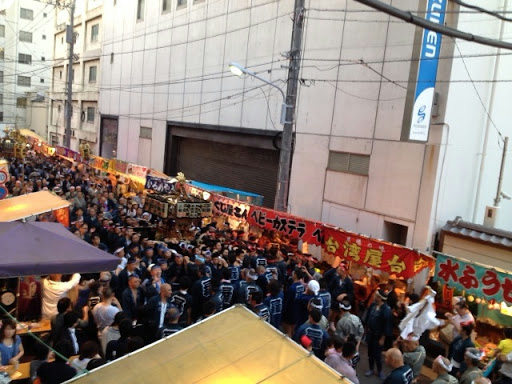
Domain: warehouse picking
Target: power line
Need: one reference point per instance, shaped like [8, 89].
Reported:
[478, 95]
[421, 22]
[377, 11]
[483, 10]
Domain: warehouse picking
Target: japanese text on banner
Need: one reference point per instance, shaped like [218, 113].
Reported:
[473, 278]
[375, 254]
[295, 227]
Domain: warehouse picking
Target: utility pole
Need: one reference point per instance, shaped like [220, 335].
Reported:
[285, 156]
[70, 39]
[499, 192]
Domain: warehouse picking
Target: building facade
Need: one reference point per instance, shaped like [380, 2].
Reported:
[168, 101]
[25, 63]
[86, 74]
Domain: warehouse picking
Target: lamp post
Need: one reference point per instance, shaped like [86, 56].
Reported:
[283, 177]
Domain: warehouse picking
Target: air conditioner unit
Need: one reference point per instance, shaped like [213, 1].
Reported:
[491, 215]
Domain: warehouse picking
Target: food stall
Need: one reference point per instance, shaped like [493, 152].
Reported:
[28, 207]
[487, 290]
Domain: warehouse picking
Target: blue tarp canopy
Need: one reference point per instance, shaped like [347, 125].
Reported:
[249, 197]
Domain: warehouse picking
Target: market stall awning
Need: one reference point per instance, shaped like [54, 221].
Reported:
[41, 248]
[31, 204]
[234, 346]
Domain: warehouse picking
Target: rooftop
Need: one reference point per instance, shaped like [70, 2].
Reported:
[478, 232]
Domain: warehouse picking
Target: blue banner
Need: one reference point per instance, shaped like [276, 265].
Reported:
[427, 73]
[476, 279]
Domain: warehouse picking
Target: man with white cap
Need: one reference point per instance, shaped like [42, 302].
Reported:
[348, 324]
[472, 359]
[414, 353]
[442, 367]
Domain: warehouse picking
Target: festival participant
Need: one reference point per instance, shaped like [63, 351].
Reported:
[442, 367]
[170, 324]
[258, 307]
[459, 346]
[462, 315]
[472, 359]
[133, 297]
[314, 332]
[274, 302]
[401, 373]
[57, 371]
[348, 324]
[182, 300]
[379, 325]
[343, 362]
[11, 348]
[414, 354]
[105, 311]
[506, 368]
[291, 294]
[156, 308]
[53, 290]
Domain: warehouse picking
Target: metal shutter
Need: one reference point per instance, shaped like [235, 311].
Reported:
[234, 166]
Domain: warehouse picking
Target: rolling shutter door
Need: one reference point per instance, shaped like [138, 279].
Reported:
[234, 166]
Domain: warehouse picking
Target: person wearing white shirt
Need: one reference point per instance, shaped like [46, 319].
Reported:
[54, 290]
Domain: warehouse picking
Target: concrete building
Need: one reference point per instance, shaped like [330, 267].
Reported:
[86, 71]
[168, 101]
[25, 61]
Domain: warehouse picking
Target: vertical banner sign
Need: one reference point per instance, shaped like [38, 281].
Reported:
[427, 72]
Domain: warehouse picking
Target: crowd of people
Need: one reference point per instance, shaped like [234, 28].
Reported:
[162, 287]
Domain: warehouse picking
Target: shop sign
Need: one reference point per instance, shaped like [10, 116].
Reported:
[158, 184]
[292, 226]
[386, 257]
[475, 279]
[137, 170]
[228, 207]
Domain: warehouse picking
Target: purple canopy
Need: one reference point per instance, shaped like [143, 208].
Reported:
[41, 248]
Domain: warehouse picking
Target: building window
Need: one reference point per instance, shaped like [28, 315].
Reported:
[41, 80]
[24, 58]
[112, 58]
[73, 75]
[1, 76]
[45, 15]
[2, 30]
[26, 36]
[146, 133]
[2, 54]
[181, 3]
[349, 162]
[62, 40]
[44, 37]
[21, 102]
[95, 32]
[60, 74]
[166, 5]
[1, 99]
[90, 114]
[92, 74]
[26, 14]
[140, 9]
[43, 58]
[24, 81]
[1, 116]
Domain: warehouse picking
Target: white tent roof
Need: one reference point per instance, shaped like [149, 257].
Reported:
[234, 346]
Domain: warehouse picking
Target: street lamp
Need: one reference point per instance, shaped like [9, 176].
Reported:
[283, 177]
